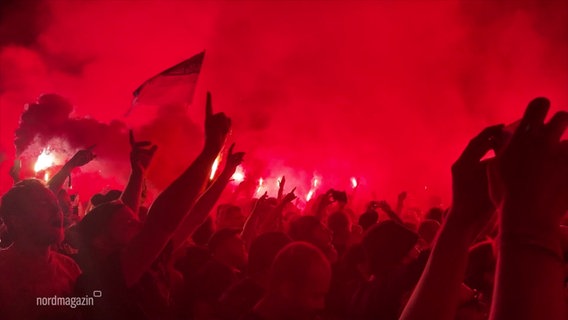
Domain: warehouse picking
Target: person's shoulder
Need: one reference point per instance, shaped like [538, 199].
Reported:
[66, 263]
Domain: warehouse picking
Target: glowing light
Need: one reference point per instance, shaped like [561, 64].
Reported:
[46, 176]
[354, 182]
[315, 182]
[239, 175]
[259, 188]
[214, 167]
[45, 160]
[310, 195]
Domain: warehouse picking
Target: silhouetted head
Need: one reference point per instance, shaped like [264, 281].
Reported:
[310, 229]
[339, 223]
[299, 280]
[229, 217]
[227, 246]
[368, 219]
[31, 212]
[428, 230]
[436, 214]
[263, 250]
[108, 227]
[387, 244]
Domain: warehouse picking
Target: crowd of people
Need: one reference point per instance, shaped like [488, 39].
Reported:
[500, 251]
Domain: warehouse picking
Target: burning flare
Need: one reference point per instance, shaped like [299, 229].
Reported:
[310, 195]
[214, 167]
[44, 161]
[259, 188]
[354, 182]
[239, 175]
[316, 181]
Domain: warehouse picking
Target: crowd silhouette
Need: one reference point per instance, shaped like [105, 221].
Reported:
[500, 251]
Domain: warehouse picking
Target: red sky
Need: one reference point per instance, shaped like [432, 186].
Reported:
[388, 91]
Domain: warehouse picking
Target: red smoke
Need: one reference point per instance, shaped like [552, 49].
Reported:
[388, 92]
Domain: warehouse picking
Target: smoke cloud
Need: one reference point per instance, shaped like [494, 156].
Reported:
[386, 91]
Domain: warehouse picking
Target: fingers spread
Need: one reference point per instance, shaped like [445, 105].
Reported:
[534, 116]
[557, 126]
[481, 144]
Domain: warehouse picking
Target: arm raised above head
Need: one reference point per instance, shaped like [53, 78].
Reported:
[170, 207]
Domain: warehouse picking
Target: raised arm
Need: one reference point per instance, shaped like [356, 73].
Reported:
[400, 202]
[273, 220]
[281, 184]
[140, 156]
[251, 224]
[79, 159]
[323, 201]
[383, 205]
[436, 295]
[206, 202]
[533, 170]
[169, 208]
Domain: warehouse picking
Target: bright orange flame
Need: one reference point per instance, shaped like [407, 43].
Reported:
[239, 175]
[214, 167]
[354, 182]
[44, 161]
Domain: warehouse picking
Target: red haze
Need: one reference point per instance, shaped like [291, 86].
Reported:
[386, 91]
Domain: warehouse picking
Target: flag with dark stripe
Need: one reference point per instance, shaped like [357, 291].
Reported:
[172, 86]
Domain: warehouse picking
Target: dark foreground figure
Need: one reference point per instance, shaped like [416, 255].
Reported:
[499, 252]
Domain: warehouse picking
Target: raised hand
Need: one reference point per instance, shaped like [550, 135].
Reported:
[471, 204]
[281, 184]
[233, 160]
[82, 157]
[217, 127]
[533, 170]
[471, 210]
[289, 197]
[141, 154]
[383, 205]
[79, 159]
